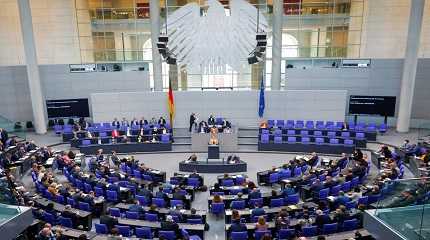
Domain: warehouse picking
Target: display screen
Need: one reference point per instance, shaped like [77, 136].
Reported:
[372, 105]
[68, 108]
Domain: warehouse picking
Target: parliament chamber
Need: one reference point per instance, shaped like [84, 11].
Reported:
[214, 119]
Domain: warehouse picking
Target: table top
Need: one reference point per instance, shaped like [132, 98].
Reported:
[60, 207]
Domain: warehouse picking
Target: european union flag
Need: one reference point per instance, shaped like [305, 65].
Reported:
[261, 103]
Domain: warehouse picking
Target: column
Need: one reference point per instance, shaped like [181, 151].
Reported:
[36, 96]
[154, 12]
[277, 44]
[410, 65]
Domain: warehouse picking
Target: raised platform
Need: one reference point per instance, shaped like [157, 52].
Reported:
[298, 147]
[227, 141]
[212, 166]
[126, 147]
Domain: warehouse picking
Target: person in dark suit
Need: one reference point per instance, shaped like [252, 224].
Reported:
[177, 195]
[321, 219]
[330, 182]
[162, 121]
[254, 194]
[313, 161]
[161, 194]
[135, 207]
[143, 121]
[192, 120]
[109, 221]
[237, 226]
[143, 191]
[211, 120]
[124, 122]
[316, 186]
[194, 215]
[67, 213]
[116, 123]
[170, 225]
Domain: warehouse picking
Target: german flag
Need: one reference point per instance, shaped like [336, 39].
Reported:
[171, 103]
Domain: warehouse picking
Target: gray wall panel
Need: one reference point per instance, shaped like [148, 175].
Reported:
[383, 78]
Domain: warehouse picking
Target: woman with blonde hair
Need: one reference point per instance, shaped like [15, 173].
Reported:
[261, 224]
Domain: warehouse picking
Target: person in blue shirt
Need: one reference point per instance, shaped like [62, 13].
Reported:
[288, 190]
[258, 210]
[342, 199]
[135, 207]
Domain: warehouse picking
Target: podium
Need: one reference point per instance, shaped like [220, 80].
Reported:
[213, 151]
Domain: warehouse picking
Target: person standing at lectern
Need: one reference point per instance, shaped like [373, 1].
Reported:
[192, 120]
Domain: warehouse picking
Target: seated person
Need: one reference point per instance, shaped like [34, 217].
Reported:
[261, 224]
[194, 215]
[177, 195]
[170, 225]
[258, 210]
[316, 186]
[109, 221]
[135, 207]
[288, 190]
[342, 199]
[282, 220]
[341, 215]
[237, 226]
[321, 219]
[177, 212]
[313, 161]
[192, 158]
[329, 182]
[254, 194]
[68, 213]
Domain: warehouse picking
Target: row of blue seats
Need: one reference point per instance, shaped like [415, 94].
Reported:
[144, 232]
[265, 138]
[316, 133]
[330, 125]
[307, 231]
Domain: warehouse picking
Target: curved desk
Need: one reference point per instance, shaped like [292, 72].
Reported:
[126, 147]
[212, 167]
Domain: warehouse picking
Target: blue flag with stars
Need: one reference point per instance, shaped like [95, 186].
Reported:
[261, 102]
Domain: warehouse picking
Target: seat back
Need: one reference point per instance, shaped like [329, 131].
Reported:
[101, 228]
[159, 202]
[84, 206]
[66, 222]
[124, 230]
[217, 208]
[291, 139]
[143, 232]
[329, 228]
[170, 235]
[239, 235]
[277, 202]
[115, 212]
[293, 199]
[131, 215]
[238, 204]
[151, 217]
[350, 225]
[309, 231]
[286, 233]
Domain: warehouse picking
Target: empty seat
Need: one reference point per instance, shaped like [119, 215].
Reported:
[348, 142]
[291, 139]
[304, 132]
[291, 132]
[277, 139]
[270, 123]
[280, 123]
[345, 134]
[329, 228]
[290, 124]
[264, 138]
[334, 141]
[317, 133]
[331, 134]
[278, 132]
[306, 140]
[360, 135]
[319, 140]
